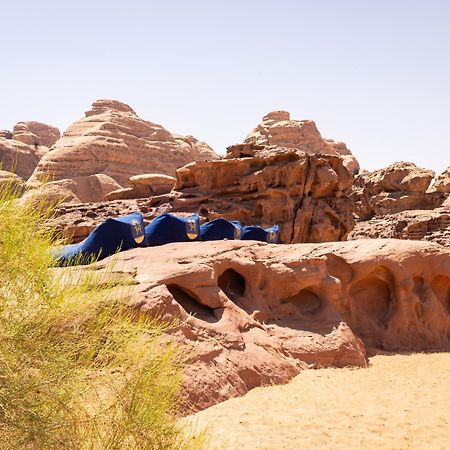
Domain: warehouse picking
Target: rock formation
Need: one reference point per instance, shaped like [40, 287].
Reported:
[252, 314]
[12, 181]
[36, 134]
[21, 150]
[399, 187]
[442, 183]
[144, 186]
[398, 202]
[114, 141]
[278, 129]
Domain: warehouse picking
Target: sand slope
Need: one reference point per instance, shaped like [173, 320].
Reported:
[399, 402]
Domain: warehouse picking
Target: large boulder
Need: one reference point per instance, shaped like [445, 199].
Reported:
[278, 129]
[112, 140]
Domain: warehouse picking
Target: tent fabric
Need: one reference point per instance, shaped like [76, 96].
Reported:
[219, 229]
[111, 236]
[169, 228]
[256, 233]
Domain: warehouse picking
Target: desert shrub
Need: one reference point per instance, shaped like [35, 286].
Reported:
[78, 369]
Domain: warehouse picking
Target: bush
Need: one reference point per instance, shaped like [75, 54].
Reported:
[78, 370]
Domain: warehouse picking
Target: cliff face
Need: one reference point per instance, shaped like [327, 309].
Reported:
[114, 141]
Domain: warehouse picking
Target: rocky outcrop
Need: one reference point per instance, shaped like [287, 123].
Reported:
[145, 185]
[36, 134]
[83, 189]
[21, 150]
[17, 157]
[399, 187]
[306, 195]
[428, 225]
[278, 129]
[251, 314]
[114, 141]
[442, 182]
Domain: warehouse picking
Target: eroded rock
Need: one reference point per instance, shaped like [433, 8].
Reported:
[252, 314]
[114, 141]
[399, 187]
[278, 129]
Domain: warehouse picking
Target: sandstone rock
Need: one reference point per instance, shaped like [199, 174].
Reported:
[6, 134]
[82, 189]
[399, 187]
[428, 225]
[442, 183]
[252, 314]
[36, 134]
[306, 195]
[278, 129]
[114, 141]
[17, 157]
[145, 185]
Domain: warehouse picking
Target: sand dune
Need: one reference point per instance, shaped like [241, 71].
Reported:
[399, 402]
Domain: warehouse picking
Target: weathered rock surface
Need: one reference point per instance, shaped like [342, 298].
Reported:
[83, 189]
[36, 134]
[306, 195]
[17, 157]
[399, 187]
[278, 129]
[428, 225]
[442, 182]
[114, 141]
[253, 314]
[145, 185]
[21, 150]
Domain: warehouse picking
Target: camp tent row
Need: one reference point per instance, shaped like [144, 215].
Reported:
[126, 232]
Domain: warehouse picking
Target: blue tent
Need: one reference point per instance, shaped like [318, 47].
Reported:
[219, 229]
[169, 228]
[256, 233]
[111, 236]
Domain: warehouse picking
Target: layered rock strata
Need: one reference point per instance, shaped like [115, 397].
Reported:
[21, 150]
[399, 187]
[112, 140]
[278, 129]
[251, 314]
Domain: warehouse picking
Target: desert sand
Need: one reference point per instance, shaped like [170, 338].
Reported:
[398, 402]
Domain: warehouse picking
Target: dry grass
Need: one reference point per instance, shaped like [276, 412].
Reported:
[399, 402]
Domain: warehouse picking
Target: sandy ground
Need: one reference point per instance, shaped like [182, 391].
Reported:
[399, 402]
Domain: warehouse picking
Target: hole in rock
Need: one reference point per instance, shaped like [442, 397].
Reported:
[441, 288]
[371, 297]
[305, 301]
[232, 283]
[259, 211]
[191, 305]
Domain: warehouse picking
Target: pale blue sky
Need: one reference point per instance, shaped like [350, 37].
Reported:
[374, 74]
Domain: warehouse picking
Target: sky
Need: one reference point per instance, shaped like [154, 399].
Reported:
[374, 74]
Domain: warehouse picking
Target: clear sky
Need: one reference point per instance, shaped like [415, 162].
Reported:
[374, 74]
